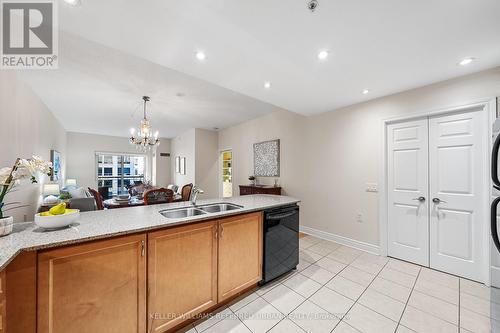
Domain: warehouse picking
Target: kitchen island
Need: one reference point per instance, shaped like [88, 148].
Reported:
[131, 270]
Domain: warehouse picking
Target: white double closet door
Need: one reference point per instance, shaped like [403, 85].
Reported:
[436, 202]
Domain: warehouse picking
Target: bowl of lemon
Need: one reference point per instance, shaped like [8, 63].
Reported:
[57, 217]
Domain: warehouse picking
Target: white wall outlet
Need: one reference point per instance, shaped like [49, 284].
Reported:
[359, 218]
[372, 187]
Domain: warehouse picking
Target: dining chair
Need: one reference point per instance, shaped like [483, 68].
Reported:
[158, 196]
[186, 192]
[98, 198]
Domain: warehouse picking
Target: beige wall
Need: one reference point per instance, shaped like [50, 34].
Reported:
[207, 162]
[162, 164]
[184, 146]
[27, 128]
[82, 148]
[200, 148]
[327, 159]
[286, 126]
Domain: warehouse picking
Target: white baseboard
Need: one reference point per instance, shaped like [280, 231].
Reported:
[341, 240]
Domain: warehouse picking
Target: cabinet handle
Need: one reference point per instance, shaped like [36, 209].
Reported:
[221, 230]
[143, 249]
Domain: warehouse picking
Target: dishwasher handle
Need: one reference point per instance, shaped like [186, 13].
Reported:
[281, 216]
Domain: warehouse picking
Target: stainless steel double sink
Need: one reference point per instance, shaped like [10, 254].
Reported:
[178, 213]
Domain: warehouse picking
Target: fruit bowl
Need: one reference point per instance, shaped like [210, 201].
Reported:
[57, 221]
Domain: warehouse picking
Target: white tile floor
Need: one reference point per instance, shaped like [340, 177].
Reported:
[341, 289]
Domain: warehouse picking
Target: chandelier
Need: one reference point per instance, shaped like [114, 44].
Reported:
[144, 140]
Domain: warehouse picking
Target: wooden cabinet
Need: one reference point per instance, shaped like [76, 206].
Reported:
[94, 287]
[151, 282]
[3, 315]
[240, 254]
[253, 189]
[182, 274]
[20, 292]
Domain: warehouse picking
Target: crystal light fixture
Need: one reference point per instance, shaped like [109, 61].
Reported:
[145, 139]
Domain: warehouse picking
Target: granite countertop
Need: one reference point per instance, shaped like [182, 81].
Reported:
[115, 222]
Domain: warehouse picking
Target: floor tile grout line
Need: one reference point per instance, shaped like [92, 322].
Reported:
[286, 315]
[475, 296]
[322, 285]
[308, 298]
[361, 295]
[241, 321]
[338, 274]
[399, 284]
[226, 307]
[392, 297]
[438, 298]
[408, 300]
[459, 302]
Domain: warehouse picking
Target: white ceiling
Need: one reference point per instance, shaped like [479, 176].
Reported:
[99, 90]
[385, 46]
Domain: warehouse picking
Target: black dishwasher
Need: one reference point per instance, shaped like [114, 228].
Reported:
[281, 241]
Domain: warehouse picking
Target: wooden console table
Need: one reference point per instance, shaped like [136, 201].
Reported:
[259, 189]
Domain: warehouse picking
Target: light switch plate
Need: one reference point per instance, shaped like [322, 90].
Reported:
[372, 187]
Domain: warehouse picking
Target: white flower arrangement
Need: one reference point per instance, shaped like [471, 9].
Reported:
[23, 169]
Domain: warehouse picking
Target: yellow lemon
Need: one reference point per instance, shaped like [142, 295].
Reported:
[45, 214]
[58, 209]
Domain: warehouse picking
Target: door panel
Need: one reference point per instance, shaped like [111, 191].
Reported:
[407, 181]
[182, 274]
[240, 254]
[97, 287]
[456, 150]
[451, 243]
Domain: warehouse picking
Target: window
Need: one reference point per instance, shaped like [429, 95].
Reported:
[118, 171]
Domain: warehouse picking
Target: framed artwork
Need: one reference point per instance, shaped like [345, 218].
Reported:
[266, 158]
[183, 165]
[177, 164]
[55, 158]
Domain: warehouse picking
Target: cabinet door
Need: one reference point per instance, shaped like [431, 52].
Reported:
[95, 287]
[2, 302]
[240, 253]
[182, 274]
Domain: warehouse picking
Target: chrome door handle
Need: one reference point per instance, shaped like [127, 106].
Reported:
[421, 199]
[437, 201]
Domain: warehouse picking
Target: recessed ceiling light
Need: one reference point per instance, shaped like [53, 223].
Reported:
[466, 61]
[365, 91]
[267, 85]
[322, 55]
[73, 2]
[200, 56]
